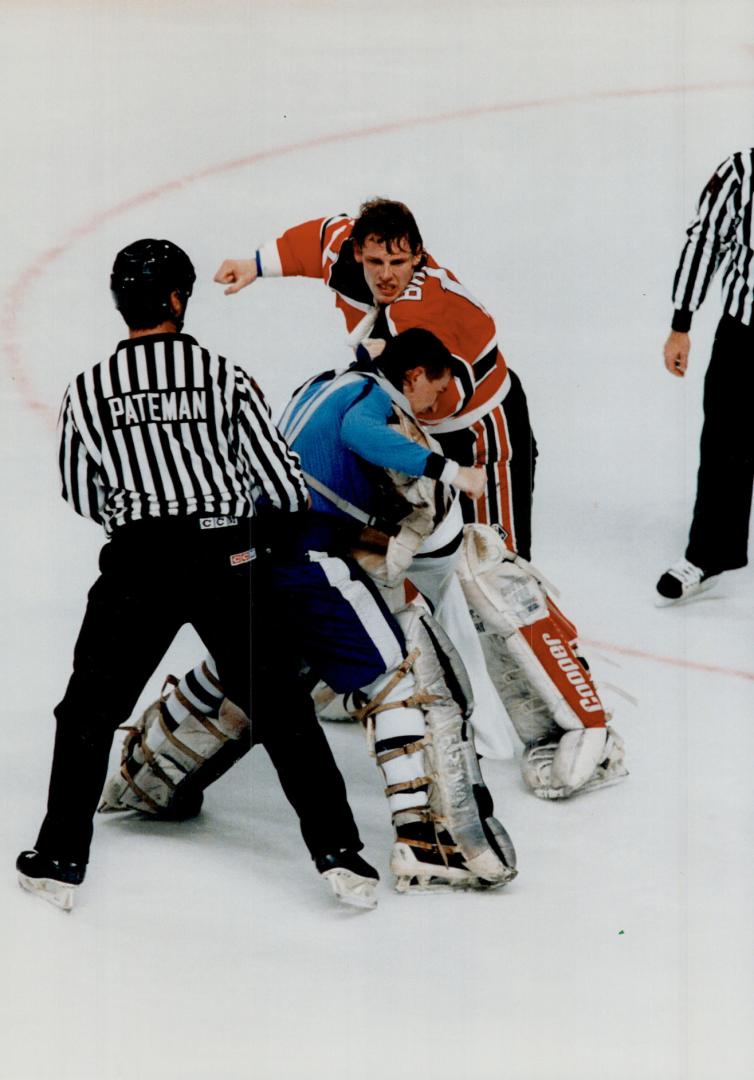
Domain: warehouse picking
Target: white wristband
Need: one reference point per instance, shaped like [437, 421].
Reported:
[449, 472]
[268, 260]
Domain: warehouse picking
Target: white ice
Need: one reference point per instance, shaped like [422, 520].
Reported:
[552, 153]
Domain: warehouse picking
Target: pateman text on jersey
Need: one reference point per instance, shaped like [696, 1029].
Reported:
[157, 406]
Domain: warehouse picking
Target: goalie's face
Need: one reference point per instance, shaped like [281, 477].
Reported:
[423, 393]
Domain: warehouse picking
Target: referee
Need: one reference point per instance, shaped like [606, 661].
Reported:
[720, 235]
[172, 450]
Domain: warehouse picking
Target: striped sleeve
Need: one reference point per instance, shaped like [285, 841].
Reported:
[708, 237]
[81, 480]
[274, 468]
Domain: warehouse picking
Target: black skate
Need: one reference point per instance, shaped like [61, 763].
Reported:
[54, 880]
[351, 879]
[683, 581]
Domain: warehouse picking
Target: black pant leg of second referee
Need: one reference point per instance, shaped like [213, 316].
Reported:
[123, 636]
[718, 539]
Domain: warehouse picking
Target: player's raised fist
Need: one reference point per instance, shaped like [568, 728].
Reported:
[236, 274]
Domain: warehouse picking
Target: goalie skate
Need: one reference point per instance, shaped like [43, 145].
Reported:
[426, 860]
[537, 765]
[49, 879]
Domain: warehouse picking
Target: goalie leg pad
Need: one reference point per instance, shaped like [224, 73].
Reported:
[530, 715]
[556, 671]
[530, 646]
[396, 733]
[451, 762]
[161, 761]
[511, 603]
[442, 839]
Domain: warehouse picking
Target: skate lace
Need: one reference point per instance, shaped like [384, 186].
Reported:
[686, 572]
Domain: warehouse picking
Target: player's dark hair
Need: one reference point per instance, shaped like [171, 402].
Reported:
[388, 222]
[144, 276]
[414, 348]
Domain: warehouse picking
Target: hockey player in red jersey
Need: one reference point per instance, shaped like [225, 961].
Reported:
[385, 282]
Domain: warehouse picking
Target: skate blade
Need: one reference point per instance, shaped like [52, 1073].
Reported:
[55, 892]
[409, 886]
[351, 889]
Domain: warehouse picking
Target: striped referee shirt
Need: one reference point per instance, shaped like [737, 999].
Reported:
[166, 429]
[720, 235]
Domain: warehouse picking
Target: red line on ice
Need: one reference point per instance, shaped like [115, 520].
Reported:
[17, 293]
[673, 661]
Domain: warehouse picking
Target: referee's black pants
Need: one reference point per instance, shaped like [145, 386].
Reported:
[719, 535]
[155, 576]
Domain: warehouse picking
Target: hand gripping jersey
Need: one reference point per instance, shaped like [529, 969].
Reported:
[476, 405]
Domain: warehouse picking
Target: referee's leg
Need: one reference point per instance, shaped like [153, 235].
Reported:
[124, 634]
[281, 709]
[718, 538]
[334, 618]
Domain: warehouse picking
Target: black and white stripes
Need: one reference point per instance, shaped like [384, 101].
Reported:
[164, 428]
[721, 234]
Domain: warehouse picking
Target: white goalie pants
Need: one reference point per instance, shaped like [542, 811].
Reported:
[436, 579]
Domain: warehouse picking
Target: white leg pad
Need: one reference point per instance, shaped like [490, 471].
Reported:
[402, 722]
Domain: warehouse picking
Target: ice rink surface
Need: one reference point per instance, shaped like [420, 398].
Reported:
[552, 153]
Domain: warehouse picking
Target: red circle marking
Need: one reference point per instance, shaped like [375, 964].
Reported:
[16, 294]
[672, 661]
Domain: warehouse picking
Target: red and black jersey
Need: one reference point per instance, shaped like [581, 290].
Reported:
[434, 300]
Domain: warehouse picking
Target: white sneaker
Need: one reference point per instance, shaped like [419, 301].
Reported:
[682, 581]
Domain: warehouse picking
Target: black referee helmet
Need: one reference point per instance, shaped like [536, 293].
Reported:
[144, 276]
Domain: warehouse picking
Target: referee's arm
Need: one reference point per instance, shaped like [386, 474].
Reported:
[274, 466]
[709, 233]
[80, 475]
